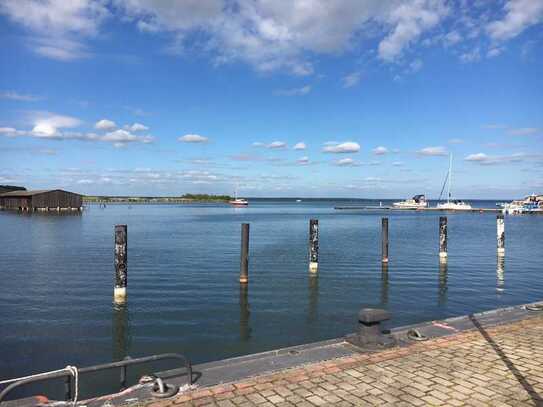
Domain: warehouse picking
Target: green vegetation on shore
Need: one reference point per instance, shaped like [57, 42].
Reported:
[157, 199]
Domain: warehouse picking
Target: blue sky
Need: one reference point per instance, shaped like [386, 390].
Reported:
[296, 98]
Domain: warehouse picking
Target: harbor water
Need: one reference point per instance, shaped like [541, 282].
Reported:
[57, 278]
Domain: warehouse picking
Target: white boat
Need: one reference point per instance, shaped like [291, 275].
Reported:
[239, 202]
[417, 202]
[452, 205]
[530, 204]
[298, 200]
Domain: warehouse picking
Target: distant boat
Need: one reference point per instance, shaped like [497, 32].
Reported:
[417, 202]
[238, 202]
[298, 200]
[454, 205]
[530, 204]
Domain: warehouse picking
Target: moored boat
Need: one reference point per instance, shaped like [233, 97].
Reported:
[451, 205]
[417, 202]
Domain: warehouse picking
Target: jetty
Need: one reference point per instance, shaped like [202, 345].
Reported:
[391, 208]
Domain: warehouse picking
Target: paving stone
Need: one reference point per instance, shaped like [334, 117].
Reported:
[460, 370]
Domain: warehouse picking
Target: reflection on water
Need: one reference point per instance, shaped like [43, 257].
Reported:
[121, 331]
[313, 298]
[442, 291]
[384, 284]
[500, 274]
[244, 313]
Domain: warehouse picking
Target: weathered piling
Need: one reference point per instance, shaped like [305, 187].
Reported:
[500, 274]
[313, 245]
[443, 238]
[121, 269]
[384, 240]
[384, 284]
[244, 313]
[442, 286]
[244, 259]
[500, 234]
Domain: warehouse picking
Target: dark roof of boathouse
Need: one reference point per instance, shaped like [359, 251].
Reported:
[10, 188]
[32, 193]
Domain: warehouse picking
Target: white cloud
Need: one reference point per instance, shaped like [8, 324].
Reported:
[432, 151]
[48, 126]
[409, 20]
[120, 137]
[520, 14]
[304, 90]
[299, 146]
[193, 138]
[380, 150]
[526, 131]
[346, 147]
[471, 56]
[105, 124]
[346, 162]
[484, 159]
[57, 25]
[351, 80]
[258, 144]
[137, 127]
[494, 52]
[303, 161]
[12, 95]
[479, 157]
[452, 38]
[277, 145]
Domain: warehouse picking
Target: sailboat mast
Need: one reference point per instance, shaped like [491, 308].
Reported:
[450, 179]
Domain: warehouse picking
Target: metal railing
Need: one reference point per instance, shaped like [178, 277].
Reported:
[122, 364]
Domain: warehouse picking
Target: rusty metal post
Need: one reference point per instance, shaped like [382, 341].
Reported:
[244, 259]
[384, 240]
[313, 245]
[121, 269]
[443, 238]
[500, 231]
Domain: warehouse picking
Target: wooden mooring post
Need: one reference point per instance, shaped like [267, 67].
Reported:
[121, 269]
[384, 240]
[500, 234]
[313, 245]
[443, 238]
[244, 259]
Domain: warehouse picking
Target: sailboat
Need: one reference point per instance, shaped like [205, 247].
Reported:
[239, 202]
[454, 205]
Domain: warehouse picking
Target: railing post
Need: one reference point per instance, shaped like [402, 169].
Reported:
[313, 245]
[384, 240]
[500, 231]
[244, 259]
[121, 269]
[443, 238]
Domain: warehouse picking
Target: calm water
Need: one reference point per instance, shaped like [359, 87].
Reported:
[183, 261]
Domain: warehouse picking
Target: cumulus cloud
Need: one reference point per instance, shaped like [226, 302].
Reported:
[57, 26]
[410, 20]
[304, 90]
[277, 145]
[21, 97]
[299, 146]
[346, 162]
[105, 124]
[520, 14]
[484, 159]
[432, 151]
[351, 80]
[193, 138]
[137, 127]
[342, 148]
[380, 150]
[303, 160]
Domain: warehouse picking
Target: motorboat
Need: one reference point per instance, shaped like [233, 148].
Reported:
[417, 202]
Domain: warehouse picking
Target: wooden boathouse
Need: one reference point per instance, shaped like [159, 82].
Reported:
[41, 200]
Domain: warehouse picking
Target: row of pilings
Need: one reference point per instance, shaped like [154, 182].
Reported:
[121, 251]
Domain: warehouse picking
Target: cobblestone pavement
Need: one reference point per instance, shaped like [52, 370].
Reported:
[499, 366]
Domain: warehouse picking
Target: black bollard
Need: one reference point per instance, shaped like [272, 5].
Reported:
[313, 245]
[443, 238]
[121, 269]
[244, 259]
[384, 240]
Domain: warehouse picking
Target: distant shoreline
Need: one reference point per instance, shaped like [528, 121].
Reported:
[187, 198]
